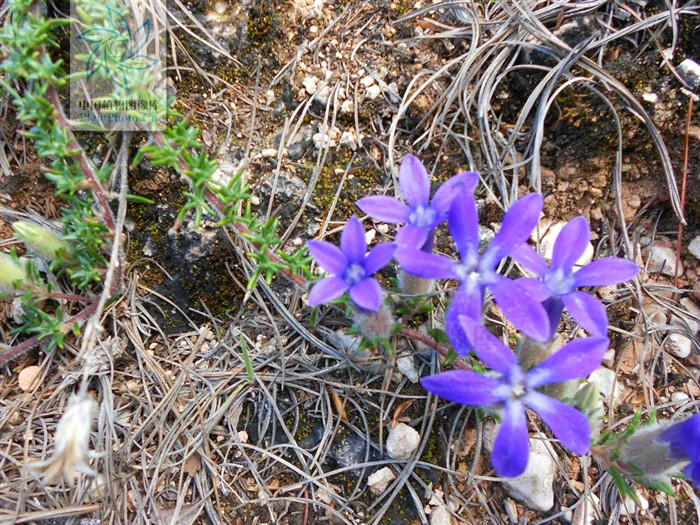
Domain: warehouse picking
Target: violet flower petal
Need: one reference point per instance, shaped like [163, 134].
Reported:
[518, 222]
[570, 244]
[530, 259]
[466, 302]
[523, 310]
[574, 360]
[352, 241]
[384, 208]
[511, 450]
[534, 288]
[463, 219]
[605, 272]
[466, 387]
[367, 294]
[490, 348]
[410, 236]
[568, 425]
[587, 311]
[326, 290]
[445, 194]
[692, 472]
[414, 181]
[426, 265]
[328, 256]
[378, 257]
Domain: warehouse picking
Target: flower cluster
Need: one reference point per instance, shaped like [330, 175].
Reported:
[534, 305]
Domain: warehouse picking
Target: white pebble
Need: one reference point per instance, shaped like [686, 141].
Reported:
[402, 441]
[380, 480]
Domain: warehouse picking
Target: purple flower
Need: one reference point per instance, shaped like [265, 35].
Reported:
[559, 283]
[517, 389]
[683, 441]
[420, 215]
[351, 268]
[476, 272]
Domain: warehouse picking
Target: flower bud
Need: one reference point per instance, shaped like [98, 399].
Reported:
[414, 285]
[42, 241]
[654, 453]
[377, 325]
[13, 274]
[588, 401]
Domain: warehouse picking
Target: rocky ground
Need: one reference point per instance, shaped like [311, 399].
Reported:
[318, 102]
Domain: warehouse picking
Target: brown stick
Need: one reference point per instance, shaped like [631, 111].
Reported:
[679, 244]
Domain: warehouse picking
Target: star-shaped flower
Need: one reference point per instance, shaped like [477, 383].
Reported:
[517, 389]
[351, 268]
[419, 214]
[477, 272]
[558, 284]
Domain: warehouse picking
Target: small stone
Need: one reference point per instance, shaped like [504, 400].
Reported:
[534, 487]
[310, 84]
[628, 507]
[242, 436]
[367, 81]
[694, 247]
[547, 244]
[688, 322]
[269, 97]
[347, 139]
[609, 358]
[511, 510]
[268, 153]
[652, 98]
[587, 513]
[689, 70]
[402, 441]
[373, 92]
[380, 480]
[347, 106]
[407, 366]
[607, 382]
[679, 397]
[440, 516]
[662, 259]
[679, 345]
[28, 377]
[324, 496]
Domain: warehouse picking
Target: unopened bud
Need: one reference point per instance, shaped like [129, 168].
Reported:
[13, 274]
[42, 241]
[589, 401]
[377, 325]
[654, 453]
[414, 285]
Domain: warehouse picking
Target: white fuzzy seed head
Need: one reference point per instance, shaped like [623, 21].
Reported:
[72, 444]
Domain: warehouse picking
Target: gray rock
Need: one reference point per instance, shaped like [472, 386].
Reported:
[662, 259]
[486, 235]
[587, 513]
[380, 480]
[679, 345]
[606, 381]
[352, 450]
[534, 488]
[689, 70]
[402, 441]
[440, 516]
[694, 247]
[301, 142]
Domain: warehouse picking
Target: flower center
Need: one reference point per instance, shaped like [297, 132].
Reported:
[355, 274]
[422, 217]
[559, 283]
[518, 390]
